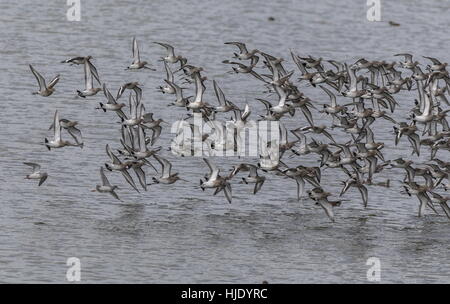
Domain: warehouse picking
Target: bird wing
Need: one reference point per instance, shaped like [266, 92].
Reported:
[331, 95]
[36, 168]
[228, 192]
[166, 166]
[129, 179]
[42, 179]
[88, 79]
[53, 82]
[111, 99]
[169, 74]
[135, 48]
[39, 78]
[408, 57]
[240, 45]
[56, 127]
[219, 93]
[93, 70]
[213, 168]
[170, 49]
[105, 181]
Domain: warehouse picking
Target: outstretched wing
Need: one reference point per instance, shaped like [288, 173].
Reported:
[57, 127]
[88, 79]
[213, 168]
[136, 56]
[169, 48]
[34, 166]
[105, 181]
[53, 82]
[39, 78]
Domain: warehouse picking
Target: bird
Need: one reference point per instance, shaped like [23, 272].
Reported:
[111, 104]
[134, 86]
[216, 181]
[71, 128]
[180, 100]
[36, 174]
[117, 165]
[137, 63]
[167, 177]
[88, 82]
[106, 187]
[167, 89]
[321, 198]
[170, 57]
[244, 54]
[44, 90]
[57, 141]
[254, 178]
[224, 104]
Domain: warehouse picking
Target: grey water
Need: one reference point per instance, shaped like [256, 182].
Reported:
[177, 233]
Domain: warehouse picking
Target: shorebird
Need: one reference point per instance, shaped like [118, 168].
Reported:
[318, 130]
[117, 165]
[437, 65]
[137, 63]
[134, 86]
[88, 82]
[427, 115]
[333, 108]
[44, 90]
[442, 201]
[170, 57]
[57, 141]
[321, 198]
[245, 69]
[180, 100]
[71, 128]
[136, 111]
[77, 60]
[244, 54]
[224, 104]
[167, 89]
[408, 63]
[352, 91]
[282, 107]
[301, 174]
[111, 104]
[410, 132]
[303, 149]
[36, 174]
[357, 183]
[106, 187]
[421, 192]
[142, 151]
[167, 177]
[198, 103]
[83, 60]
[216, 181]
[148, 122]
[254, 178]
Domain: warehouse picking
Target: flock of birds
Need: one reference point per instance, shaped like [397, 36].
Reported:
[367, 89]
